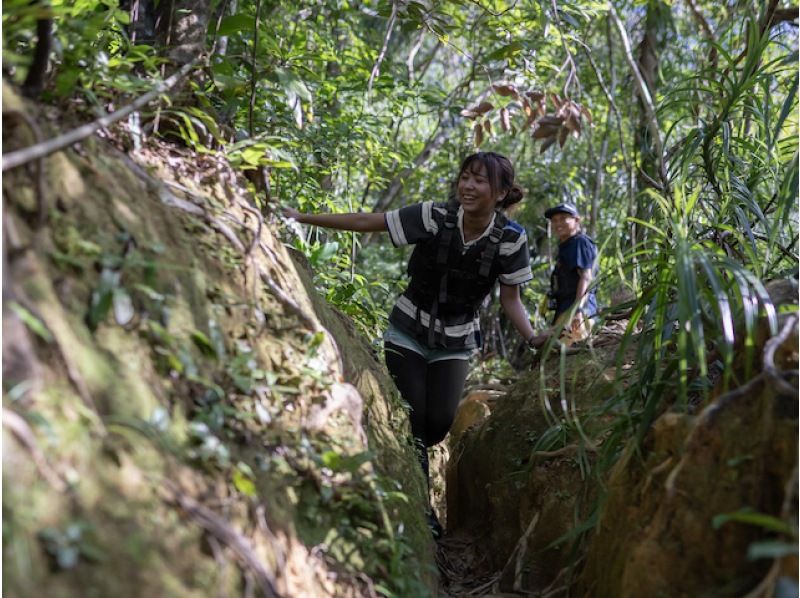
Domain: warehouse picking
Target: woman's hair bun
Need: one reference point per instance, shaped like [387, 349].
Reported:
[514, 195]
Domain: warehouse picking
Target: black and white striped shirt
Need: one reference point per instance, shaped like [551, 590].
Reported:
[420, 222]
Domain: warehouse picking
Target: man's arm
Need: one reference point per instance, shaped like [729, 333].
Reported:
[584, 281]
[360, 222]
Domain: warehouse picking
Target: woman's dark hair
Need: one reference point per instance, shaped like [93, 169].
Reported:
[500, 173]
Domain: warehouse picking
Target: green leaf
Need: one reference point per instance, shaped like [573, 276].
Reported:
[752, 517]
[243, 483]
[123, 307]
[506, 51]
[235, 24]
[102, 300]
[770, 549]
[331, 459]
[203, 343]
[292, 83]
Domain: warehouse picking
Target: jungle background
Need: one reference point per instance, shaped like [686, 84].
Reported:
[183, 414]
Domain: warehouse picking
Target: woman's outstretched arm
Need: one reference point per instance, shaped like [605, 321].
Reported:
[360, 222]
[515, 311]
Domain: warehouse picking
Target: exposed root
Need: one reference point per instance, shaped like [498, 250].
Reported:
[520, 551]
[770, 347]
[567, 450]
[22, 431]
[342, 397]
[766, 588]
[38, 165]
[260, 225]
[222, 531]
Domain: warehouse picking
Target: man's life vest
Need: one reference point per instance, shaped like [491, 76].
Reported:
[445, 281]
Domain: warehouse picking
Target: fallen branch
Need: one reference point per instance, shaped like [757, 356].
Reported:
[40, 150]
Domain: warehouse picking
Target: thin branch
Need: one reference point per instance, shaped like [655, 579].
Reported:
[573, 69]
[612, 104]
[494, 14]
[377, 68]
[251, 106]
[644, 95]
[40, 150]
[413, 54]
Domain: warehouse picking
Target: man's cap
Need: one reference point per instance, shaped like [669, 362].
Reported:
[564, 208]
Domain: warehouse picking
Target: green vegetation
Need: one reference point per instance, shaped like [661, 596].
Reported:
[673, 126]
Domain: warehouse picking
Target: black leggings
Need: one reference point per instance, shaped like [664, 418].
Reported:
[432, 391]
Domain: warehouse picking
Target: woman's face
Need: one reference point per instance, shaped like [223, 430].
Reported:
[475, 192]
[565, 225]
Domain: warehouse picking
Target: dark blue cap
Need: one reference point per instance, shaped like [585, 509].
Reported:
[564, 208]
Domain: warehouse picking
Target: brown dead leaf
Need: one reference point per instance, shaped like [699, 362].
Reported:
[487, 125]
[483, 107]
[505, 89]
[551, 119]
[505, 119]
[535, 96]
[526, 107]
[548, 142]
[562, 136]
[544, 130]
[478, 129]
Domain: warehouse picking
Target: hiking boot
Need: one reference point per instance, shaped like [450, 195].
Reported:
[434, 525]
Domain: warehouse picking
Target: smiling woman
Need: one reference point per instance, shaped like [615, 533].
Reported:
[462, 249]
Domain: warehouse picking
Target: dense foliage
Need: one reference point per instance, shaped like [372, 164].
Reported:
[672, 125]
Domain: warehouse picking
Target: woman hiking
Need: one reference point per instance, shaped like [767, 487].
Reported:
[462, 247]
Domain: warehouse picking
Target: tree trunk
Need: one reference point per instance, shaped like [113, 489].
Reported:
[181, 27]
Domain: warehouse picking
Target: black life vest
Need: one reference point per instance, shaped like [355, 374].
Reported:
[445, 280]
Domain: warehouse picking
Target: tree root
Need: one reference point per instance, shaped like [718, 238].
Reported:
[38, 168]
[567, 450]
[766, 588]
[770, 347]
[518, 554]
[222, 531]
[22, 432]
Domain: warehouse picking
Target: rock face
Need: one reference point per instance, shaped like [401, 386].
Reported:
[511, 486]
[182, 415]
[681, 519]
[698, 508]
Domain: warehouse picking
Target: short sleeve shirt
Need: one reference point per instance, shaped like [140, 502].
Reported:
[578, 252]
[421, 222]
